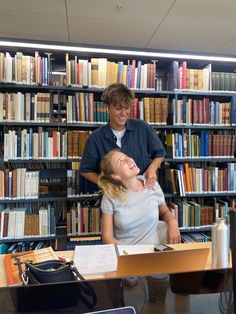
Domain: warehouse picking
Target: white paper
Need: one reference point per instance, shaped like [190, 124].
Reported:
[135, 249]
[95, 259]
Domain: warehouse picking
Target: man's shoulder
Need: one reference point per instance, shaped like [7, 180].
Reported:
[137, 123]
[99, 132]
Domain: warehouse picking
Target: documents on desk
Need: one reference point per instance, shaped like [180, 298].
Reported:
[134, 249]
[138, 260]
[95, 259]
[101, 259]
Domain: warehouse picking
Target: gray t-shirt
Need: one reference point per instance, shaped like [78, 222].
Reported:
[136, 219]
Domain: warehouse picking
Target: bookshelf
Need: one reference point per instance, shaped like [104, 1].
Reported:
[35, 107]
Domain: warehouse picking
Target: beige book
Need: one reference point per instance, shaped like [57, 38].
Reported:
[94, 72]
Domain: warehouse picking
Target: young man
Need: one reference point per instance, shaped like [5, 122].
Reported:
[134, 137]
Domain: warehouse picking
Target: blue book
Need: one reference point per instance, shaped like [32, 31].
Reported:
[233, 110]
[180, 145]
[46, 154]
[184, 109]
[86, 106]
[4, 248]
[129, 75]
[18, 149]
[175, 66]
[44, 71]
[202, 144]
[30, 142]
[75, 116]
[216, 117]
[52, 221]
[120, 72]
[139, 64]
[206, 143]
[180, 214]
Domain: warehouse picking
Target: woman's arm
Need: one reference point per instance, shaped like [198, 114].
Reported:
[173, 234]
[107, 229]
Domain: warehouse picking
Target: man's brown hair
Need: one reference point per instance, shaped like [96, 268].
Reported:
[117, 94]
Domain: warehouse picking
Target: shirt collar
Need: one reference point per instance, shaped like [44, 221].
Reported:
[129, 127]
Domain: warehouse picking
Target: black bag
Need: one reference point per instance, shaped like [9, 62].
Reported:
[53, 271]
[49, 277]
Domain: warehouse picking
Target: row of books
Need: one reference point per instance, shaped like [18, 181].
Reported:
[182, 77]
[201, 144]
[17, 223]
[23, 69]
[83, 219]
[223, 81]
[25, 107]
[77, 185]
[191, 237]
[204, 112]
[19, 184]
[81, 107]
[35, 144]
[184, 179]
[90, 240]
[12, 248]
[193, 214]
[99, 73]
[76, 142]
[152, 110]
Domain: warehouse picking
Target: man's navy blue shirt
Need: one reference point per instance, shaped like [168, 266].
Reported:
[140, 142]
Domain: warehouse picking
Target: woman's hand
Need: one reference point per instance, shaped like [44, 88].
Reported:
[173, 233]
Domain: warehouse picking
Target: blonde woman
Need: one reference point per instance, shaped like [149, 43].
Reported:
[130, 211]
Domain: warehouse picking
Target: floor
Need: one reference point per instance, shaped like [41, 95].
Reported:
[138, 298]
[177, 303]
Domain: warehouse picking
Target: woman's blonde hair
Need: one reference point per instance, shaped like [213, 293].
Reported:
[106, 182]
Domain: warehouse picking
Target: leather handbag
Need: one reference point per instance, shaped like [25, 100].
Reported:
[61, 284]
[53, 271]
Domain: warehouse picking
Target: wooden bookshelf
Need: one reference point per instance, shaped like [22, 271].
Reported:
[173, 77]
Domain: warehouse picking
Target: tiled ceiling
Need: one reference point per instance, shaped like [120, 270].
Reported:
[207, 26]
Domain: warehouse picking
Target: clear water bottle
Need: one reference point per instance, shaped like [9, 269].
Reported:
[220, 244]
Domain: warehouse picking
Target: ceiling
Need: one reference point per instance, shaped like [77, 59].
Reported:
[207, 26]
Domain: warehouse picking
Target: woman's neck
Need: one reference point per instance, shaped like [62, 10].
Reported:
[134, 185]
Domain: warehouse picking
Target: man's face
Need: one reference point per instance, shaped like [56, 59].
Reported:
[119, 114]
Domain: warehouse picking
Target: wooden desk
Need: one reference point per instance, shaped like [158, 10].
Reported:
[177, 247]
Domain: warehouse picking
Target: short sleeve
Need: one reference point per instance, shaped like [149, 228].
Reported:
[107, 205]
[90, 159]
[161, 195]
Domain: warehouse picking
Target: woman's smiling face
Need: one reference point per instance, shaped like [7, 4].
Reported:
[124, 166]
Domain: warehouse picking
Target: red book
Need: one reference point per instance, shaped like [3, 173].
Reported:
[184, 71]
[54, 143]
